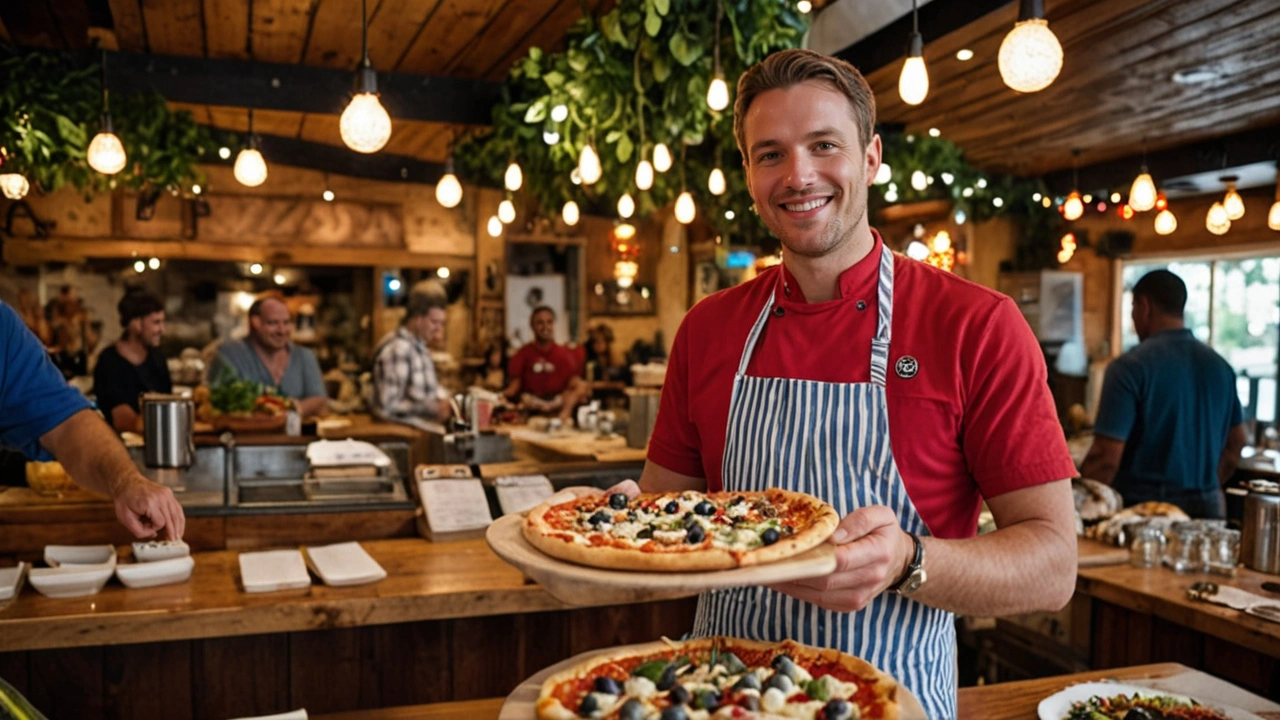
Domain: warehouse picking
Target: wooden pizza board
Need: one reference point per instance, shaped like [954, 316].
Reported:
[582, 585]
[520, 703]
[1096, 554]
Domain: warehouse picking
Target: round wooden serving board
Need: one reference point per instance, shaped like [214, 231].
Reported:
[582, 585]
[520, 703]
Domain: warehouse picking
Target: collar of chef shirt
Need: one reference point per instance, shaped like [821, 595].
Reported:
[543, 366]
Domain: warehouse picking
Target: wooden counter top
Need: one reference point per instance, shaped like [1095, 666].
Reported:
[426, 581]
[1002, 701]
[1163, 593]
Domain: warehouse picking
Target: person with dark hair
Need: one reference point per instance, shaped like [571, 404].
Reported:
[270, 357]
[133, 364]
[405, 386]
[543, 374]
[1169, 425]
[899, 393]
[40, 415]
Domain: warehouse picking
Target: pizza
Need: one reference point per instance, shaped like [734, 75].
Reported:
[681, 531]
[1141, 706]
[720, 678]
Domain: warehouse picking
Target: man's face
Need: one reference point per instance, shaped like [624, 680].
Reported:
[148, 329]
[544, 326]
[273, 328]
[430, 327]
[806, 168]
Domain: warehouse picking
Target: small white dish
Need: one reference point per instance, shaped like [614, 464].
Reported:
[11, 580]
[344, 564]
[292, 715]
[1058, 705]
[73, 581]
[153, 574]
[160, 550]
[80, 555]
[273, 570]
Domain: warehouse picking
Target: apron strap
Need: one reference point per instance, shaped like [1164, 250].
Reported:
[755, 334]
[884, 323]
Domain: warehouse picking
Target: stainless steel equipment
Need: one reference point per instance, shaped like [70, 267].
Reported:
[1260, 539]
[643, 413]
[279, 476]
[167, 424]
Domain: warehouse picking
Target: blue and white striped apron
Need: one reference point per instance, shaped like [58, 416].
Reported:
[831, 440]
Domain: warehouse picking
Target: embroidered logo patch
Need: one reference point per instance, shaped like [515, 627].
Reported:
[906, 367]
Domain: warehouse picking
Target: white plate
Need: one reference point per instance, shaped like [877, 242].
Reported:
[72, 581]
[338, 453]
[291, 715]
[344, 564]
[153, 574]
[1056, 706]
[160, 550]
[80, 555]
[11, 580]
[273, 570]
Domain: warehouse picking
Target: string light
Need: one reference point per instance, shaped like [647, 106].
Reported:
[716, 182]
[1165, 223]
[224, 152]
[589, 165]
[106, 152]
[449, 190]
[443, 273]
[626, 206]
[1233, 203]
[964, 54]
[1030, 55]
[661, 157]
[154, 263]
[919, 181]
[507, 211]
[1273, 215]
[884, 174]
[550, 137]
[14, 186]
[917, 250]
[255, 269]
[913, 81]
[718, 93]
[250, 169]
[494, 226]
[1073, 208]
[644, 175]
[1142, 195]
[139, 266]
[365, 125]
[327, 195]
[1216, 220]
[513, 178]
[570, 213]
[686, 210]
[560, 112]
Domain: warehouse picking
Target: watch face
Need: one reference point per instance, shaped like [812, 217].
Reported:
[913, 583]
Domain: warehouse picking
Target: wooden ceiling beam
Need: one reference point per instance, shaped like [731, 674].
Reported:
[889, 44]
[339, 160]
[298, 88]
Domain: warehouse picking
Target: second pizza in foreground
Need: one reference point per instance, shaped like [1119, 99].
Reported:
[681, 531]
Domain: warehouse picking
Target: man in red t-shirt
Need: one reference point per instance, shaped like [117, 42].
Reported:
[902, 395]
[544, 375]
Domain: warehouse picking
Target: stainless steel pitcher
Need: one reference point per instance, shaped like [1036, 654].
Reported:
[167, 423]
[1260, 539]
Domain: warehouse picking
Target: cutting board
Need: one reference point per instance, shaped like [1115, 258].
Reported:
[582, 585]
[1095, 554]
[520, 703]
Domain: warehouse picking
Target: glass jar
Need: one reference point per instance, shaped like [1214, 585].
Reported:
[1223, 548]
[1147, 547]
[1184, 551]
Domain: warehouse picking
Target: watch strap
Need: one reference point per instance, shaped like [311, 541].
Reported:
[912, 569]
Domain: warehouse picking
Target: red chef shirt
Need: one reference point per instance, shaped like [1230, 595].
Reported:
[976, 420]
[544, 373]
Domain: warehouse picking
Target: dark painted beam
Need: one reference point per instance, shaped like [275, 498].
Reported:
[940, 17]
[343, 161]
[298, 88]
[1218, 154]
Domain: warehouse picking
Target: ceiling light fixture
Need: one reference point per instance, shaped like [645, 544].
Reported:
[884, 174]
[1073, 206]
[448, 189]
[1232, 202]
[1216, 220]
[106, 152]
[507, 211]
[589, 165]
[494, 226]
[964, 54]
[251, 168]
[570, 214]
[718, 90]
[1142, 194]
[686, 210]
[644, 175]
[513, 178]
[626, 206]
[1165, 222]
[661, 157]
[913, 81]
[365, 125]
[716, 182]
[1030, 55]
[560, 112]
[14, 186]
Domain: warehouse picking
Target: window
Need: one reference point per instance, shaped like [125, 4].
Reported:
[1234, 306]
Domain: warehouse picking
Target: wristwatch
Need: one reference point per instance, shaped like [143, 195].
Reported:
[915, 575]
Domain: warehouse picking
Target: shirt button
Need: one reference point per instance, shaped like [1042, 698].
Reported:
[862, 304]
[778, 311]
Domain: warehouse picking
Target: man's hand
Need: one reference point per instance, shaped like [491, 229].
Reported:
[573, 492]
[872, 553]
[146, 508]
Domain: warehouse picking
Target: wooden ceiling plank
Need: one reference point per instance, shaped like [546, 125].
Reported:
[31, 24]
[448, 32]
[226, 27]
[73, 22]
[126, 16]
[394, 27]
[4, 33]
[174, 27]
[549, 35]
[335, 35]
[511, 27]
[280, 29]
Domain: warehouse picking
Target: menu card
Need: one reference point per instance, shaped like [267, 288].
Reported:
[454, 506]
[518, 493]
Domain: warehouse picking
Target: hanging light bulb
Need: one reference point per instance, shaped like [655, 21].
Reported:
[913, 82]
[14, 186]
[1073, 208]
[804, 6]
[884, 174]
[507, 211]
[365, 125]
[575, 177]
[718, 93]
[644, 175]
[570, 213]
[715, 182]
[1217, 221]
[1166, 223]
[560, 112]
[917, 250]
[589, 165]
[941, 242]
[550, 138]
[686, 211]
[1030, 56]
[449, 190]
[106, 152]
[327, 195]
[626, 206]
[919, 180]
[494, 226]
[661, 157]
[514, 178]
[250, 169]
[1142, 194]
[1233, 203]
[1273, 216]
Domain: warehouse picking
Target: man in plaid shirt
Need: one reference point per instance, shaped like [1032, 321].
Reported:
[405, 387]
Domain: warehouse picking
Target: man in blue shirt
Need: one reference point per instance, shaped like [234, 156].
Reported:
[39, 411]
[1169, 423]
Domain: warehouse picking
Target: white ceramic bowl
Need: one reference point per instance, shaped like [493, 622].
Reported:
[160, 550]
[11, 580]
[68, 582]
[80, 555]
[153, 574]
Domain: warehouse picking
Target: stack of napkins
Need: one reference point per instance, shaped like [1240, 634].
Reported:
[273, 570]
[344, 564]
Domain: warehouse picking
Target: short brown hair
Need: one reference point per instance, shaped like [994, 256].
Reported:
[421, 303]
[792, 67]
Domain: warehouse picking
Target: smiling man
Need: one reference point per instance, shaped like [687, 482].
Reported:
[270, 357]
[902, 395]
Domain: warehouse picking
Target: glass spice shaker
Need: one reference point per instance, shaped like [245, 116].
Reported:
[1147, 548]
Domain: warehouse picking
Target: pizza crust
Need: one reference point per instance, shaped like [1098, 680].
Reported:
[549, 540]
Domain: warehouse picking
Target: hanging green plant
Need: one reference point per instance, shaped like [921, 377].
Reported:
[50, 107]
[635, 77]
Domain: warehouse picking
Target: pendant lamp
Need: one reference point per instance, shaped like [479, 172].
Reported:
[365, 125]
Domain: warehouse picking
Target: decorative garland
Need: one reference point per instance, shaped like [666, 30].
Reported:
[50, 108]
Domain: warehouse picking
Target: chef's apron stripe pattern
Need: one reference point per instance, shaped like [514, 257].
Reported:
[831, 440]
